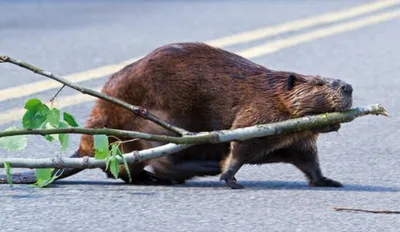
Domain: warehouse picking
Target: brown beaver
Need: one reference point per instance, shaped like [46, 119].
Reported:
[201, 88]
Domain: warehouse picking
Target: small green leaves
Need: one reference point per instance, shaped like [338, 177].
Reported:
[38, 115]
[44, 177]
[100, 147]
[114, 166]
[126, 165]
[13, 143]
[33, 104]
[64, 138]
[43, 173]
[70, 120]
[114, 149]
[113, 162]
[52, 137]
[7, 166]
[53, 116]
[49, 138]
[35, 115]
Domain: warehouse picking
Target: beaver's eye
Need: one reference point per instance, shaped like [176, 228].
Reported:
[290, 81]
[319, 84]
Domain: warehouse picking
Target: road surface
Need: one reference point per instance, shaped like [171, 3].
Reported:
[357, 41]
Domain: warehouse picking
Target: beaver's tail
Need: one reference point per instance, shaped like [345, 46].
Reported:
[29, 177]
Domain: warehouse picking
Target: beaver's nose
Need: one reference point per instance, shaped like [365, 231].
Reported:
[346, 88]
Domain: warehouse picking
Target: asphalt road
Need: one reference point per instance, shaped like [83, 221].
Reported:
[67, 37]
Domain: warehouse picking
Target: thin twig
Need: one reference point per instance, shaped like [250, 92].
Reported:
[139, 111]
[54, 97]
[366, 210]
[287, 126]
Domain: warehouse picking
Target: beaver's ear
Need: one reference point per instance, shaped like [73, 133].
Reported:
[290, 81]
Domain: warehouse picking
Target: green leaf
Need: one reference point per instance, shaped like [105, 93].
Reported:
[119, 153]
[114, 163]
[7, 166]
[42, 182]
[114, 149]
[50, 138]
[109, 156]
[13, 143]
[127, 169]
[100, 147]
[57, 174]
[33, 119]
[33, 104]
[108, 160]
[43, 173]
[64, 138]
[35, 115]
[70, 120]
[114, 166]
[53, 116]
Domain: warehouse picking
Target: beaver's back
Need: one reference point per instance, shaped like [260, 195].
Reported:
[192, 82]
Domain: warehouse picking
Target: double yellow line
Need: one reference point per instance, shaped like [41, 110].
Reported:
[248, 36]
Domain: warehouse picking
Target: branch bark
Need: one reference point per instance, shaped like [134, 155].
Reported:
[241, 134]
[309, 122]
[139, 111]
[82, 163]
[89, 162]
[101, 131]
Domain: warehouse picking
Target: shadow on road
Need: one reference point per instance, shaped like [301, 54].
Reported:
[293, 185]
[249, 185]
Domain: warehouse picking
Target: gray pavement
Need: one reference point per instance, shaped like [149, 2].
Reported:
[71, 36]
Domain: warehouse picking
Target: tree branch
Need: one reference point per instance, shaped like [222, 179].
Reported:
[89, 162]
[292, 125]
[82, 163]
[139, 111]
[101, 131]
[288, 126]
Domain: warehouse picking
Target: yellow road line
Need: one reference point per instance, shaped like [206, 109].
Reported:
[36, 87]
[275, 46]
[40, 86]
[302, 23]
[16, 113]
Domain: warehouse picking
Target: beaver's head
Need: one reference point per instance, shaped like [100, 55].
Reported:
[307, 95]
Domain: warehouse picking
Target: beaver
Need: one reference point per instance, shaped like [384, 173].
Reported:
[203, 88]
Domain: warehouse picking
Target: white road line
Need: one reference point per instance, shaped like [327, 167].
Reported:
[36, 87]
